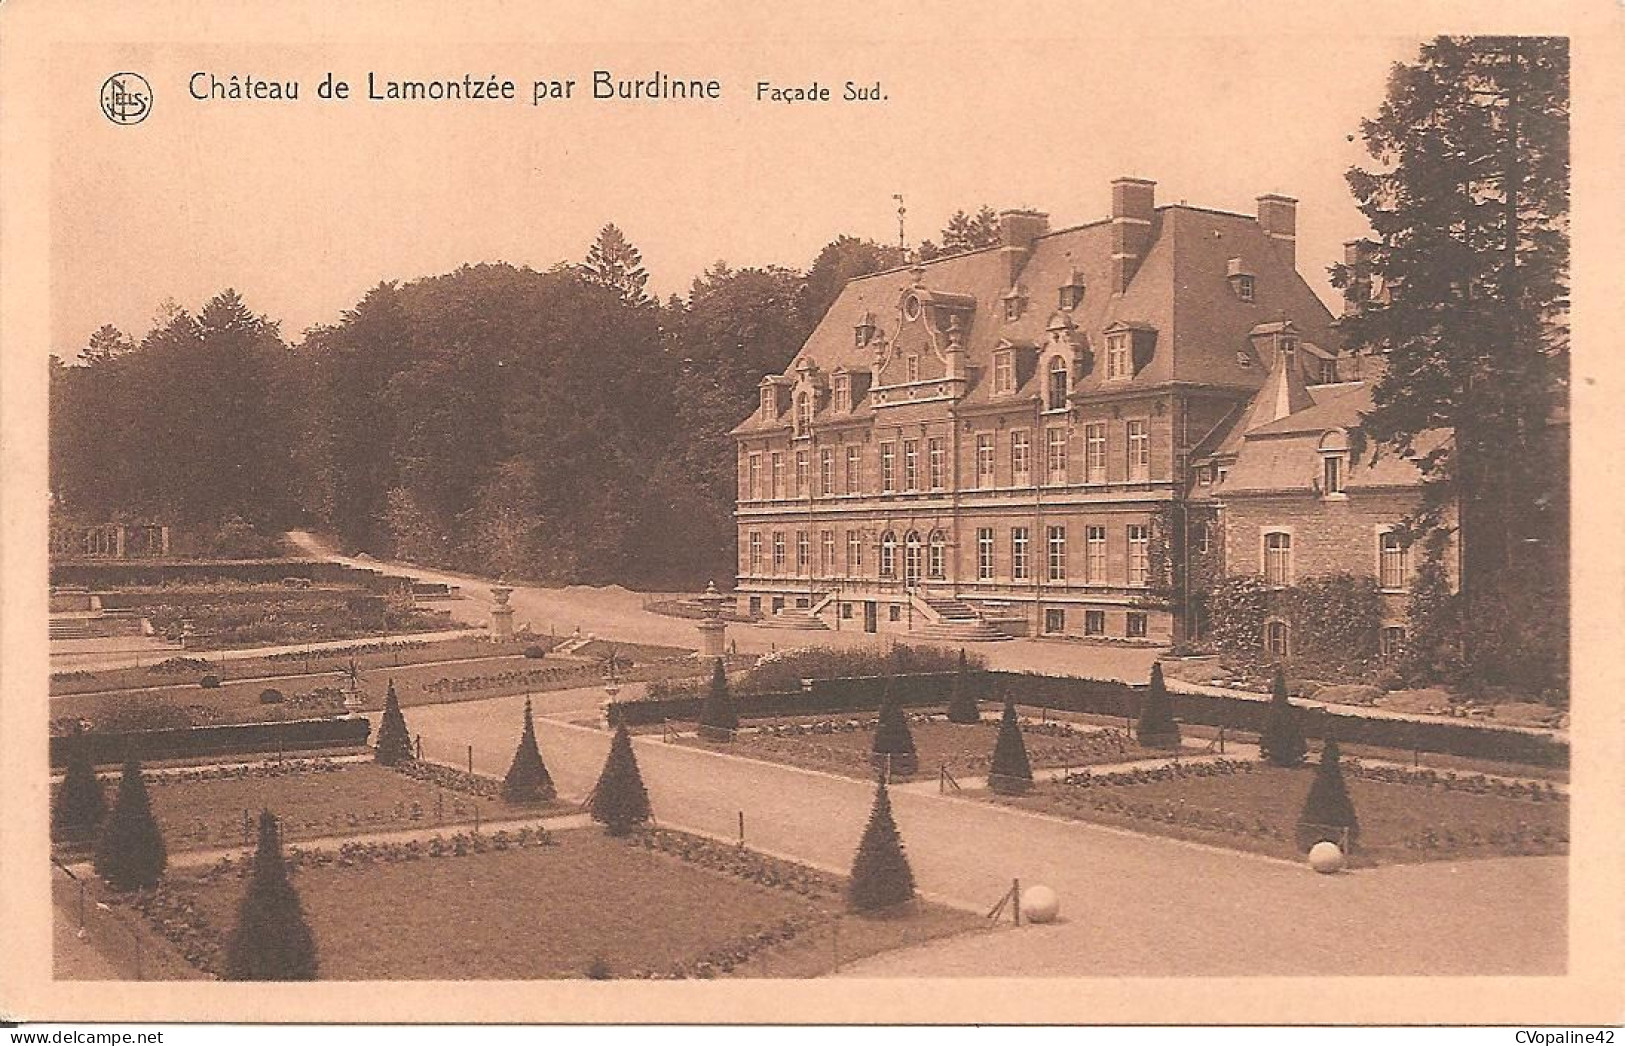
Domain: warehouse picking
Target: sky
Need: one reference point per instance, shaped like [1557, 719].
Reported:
[302, 206]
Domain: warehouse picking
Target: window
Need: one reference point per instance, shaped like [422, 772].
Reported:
[1393, 571]
[1277, 639]
[846, 611]
[1055, 454]
[1119, 360]
[1139, 554]
[803, 552]
[1094, 544]
[755, 552]
[984, 554]
[1204, 537]
[1020, 458]
[936, 561]
[1057, 384]
[1054, 621]
[1071, 295]
[913, 558]
[804, 413]
[852, 481]
[753, 472]
[827, 563]
[854, 553]
[1204, 477]
[1331, 474]
[778, 552]
[1139, 451]
[1391, 641]
[912, 364]
[911, 464]
[1278, 558]
[1012, 308]
[778, 475]
[755, 606]
[937, 460]
[1004, 372]
[1019, 539]
[1135, 625]
[888, 467]
[801, 473]
[1094, 622]
[1328, 371]
[1289, 346]
[843, 392]
[768, 405]
[1245, 288]
[888, 554]
[826, 472]
[984, 460]
[894, 613]
[1057, 553]
[1094, 451]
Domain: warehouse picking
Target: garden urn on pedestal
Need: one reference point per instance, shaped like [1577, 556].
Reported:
[712, 628]
[501, 614]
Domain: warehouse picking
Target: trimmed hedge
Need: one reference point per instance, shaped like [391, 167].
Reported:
[1110, 697]
[229, 739]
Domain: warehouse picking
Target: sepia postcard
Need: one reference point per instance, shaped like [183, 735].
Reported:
[811, 513]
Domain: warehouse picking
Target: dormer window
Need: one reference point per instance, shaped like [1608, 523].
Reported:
[1245, 288]
[864, 332]
[1334, 455]
[1004, 372]
[1289, 346]
[843, 392]
[1071, 295]
[1119, 357]
[1241, 281]
[804, 414]
[768, 405]
[1328, 372]
[1057, 389]
[1013, 302]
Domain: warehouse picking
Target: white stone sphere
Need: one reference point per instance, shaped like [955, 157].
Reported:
[1039, 904]
[1325, 857]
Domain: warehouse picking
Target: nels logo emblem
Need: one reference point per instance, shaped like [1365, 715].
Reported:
[126, 98]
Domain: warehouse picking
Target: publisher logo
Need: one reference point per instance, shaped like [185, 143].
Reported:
[126, 98]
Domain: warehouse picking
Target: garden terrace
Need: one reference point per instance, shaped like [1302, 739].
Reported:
[236, 616]
[1404, 816]
[530, 905]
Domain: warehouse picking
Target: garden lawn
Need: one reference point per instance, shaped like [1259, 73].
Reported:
[966, 749]
[338, 799]
[1265, 802]
[543, 912]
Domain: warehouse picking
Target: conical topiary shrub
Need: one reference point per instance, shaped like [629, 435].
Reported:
[1328, 810]
[619, 800]
[719, 716]
[80, 805]
[881, 878]
[893, 749]
[1156, 727]
[962, 707]
[1012, 773]
[130, 852]
[1281, 743]
[528, 780]
[272, 941]
[394, 744]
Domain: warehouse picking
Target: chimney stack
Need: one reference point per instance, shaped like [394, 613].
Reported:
[1134, 203]
[1017, 231]
[1358, 290]
[1278, 217]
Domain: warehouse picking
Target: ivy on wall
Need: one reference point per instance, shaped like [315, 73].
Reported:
[1334, 618]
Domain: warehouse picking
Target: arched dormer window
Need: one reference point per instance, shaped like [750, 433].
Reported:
[1056, 389]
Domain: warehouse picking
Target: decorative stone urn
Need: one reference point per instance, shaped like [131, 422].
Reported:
[501, 614]
[713, 630]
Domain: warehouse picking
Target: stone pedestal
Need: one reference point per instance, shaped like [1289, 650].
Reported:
[501, 614]
[713, 630]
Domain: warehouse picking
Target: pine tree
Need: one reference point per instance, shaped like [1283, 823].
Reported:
[719, 716]
[893, 746]
[1012, 773]
[528, 780]
[271, 941]
[1328, 807]
[79, 806]
[1282, 743]
[394, 744]
[619, 800]
[130, 852]
[613, 262]
[962, 707]
[881, 877]
[1157, 727]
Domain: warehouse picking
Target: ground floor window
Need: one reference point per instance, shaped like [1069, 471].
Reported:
[846, 611]
[1277, 639]
[1136, 624]
[894, 613]
[778, 604]
[803, 603]
[755, 606]
[1391, 641]
[1054, 620]
[1094, 622]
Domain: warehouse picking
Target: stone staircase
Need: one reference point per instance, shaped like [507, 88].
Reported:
[792, 618]
[957, 622]
[98, 625]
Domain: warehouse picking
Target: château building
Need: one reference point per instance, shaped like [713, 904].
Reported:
[994, 442]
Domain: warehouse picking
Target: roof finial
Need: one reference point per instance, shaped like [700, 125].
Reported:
[902, 242]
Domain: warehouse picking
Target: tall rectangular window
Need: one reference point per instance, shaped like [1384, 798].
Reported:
[1331, 474]
[1139, 451]
[984, 554]
[1139, 554]
[827, 564]
[888, 467]
[984, 460]
[1094, 451]
[1119, 360]
[803, 552]
[778, 475]
[937, 459]
[853, 480]
[1004, 372]
[826, 472]
[913, 367]
[843, 392]
[753, 471]
[1057, 553]
[854, 553]
[1020, 537]
[911, 464]
[1094, 622]
[1095, 561]
[801, 473]
[755, 552]
[1393, 568]
[778, 552]
[1278, 558]
[769, 408]
[1055, 454]
[1020, 458]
